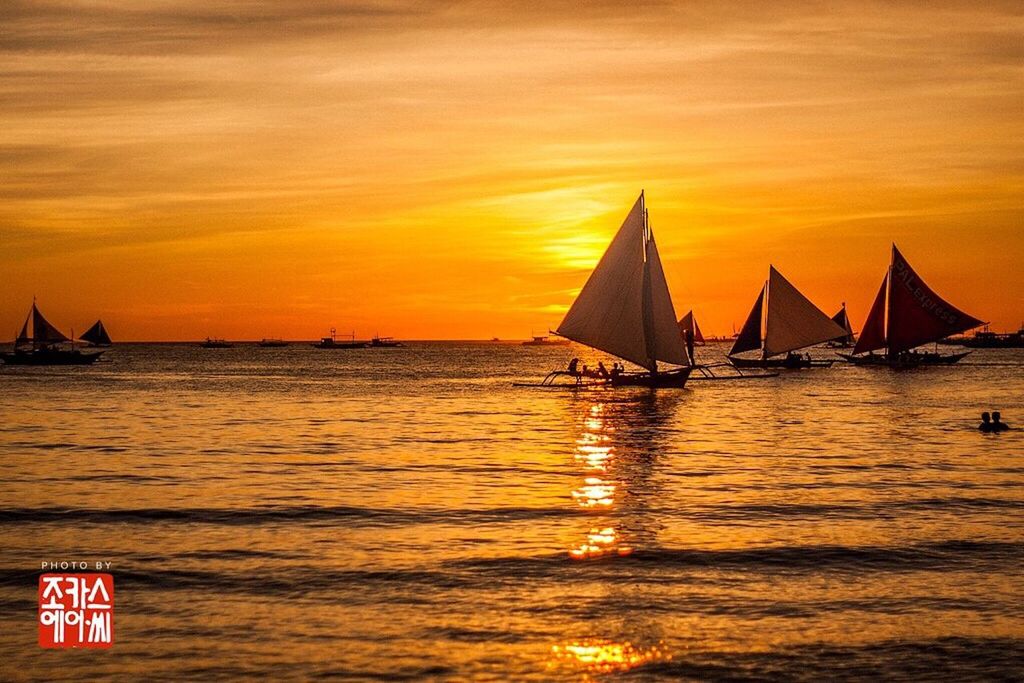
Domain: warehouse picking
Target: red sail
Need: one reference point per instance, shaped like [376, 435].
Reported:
[917, 315]
[872, 335]
[750, 336]
[697, 336]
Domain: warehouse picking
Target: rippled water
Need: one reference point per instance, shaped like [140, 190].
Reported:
[407, 513]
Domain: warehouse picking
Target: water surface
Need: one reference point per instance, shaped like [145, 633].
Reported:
[407, 513]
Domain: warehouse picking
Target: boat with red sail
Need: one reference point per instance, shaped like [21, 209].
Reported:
[905, 315]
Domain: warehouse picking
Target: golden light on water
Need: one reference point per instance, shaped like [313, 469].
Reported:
[600, 543]
[595, 455]
[606, 656]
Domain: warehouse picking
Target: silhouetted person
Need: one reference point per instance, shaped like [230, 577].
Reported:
[602, 370]
[998, 426]
[573, 364]
[986, 424]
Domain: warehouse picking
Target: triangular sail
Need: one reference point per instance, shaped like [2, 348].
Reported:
[43, 331]
[608, 313]
[793, 322]
[917, 315]
[872, 335]
[750, 336]
[698, 338]
[689, 329]
[664, 342]
[843, 320]
[97, 334]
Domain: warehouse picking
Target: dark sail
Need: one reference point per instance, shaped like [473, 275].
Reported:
[97, 334]
[43, 331]
[872, 335]
[843, 321]
[23, 337]
[750, 335]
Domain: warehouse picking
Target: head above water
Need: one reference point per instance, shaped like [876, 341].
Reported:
[984, 417]
[995, 416]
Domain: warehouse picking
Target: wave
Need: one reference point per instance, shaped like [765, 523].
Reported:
[278, 514]
[654, 566]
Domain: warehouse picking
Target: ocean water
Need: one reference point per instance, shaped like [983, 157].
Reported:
[295, 513]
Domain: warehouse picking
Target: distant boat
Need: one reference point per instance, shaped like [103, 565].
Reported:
[333, 343]
[993, 340]
[843, 320]
[907, 314]
[546, 341]
[40, 343]
[97, 335]
[791, 323]
[212, 343]
[385, 343]
[625, 309]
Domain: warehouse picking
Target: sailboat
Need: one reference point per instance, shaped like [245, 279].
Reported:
[791, 322]
[690, 331]
[843, 320]
[39, 343]
[97, 335]
[625, 309]
[906, 314]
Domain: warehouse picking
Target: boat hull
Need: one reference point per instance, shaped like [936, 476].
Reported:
[662, 380]
[789, 362]
[50, 357]
[340, 345]
[906, 360]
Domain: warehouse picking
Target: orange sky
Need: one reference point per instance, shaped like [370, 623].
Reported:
[454, 170]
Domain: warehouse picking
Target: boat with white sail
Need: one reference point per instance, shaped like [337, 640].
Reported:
[790, 323]
[625, 310]
[905, 315]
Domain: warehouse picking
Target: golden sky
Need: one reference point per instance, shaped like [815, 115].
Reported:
[454, 170]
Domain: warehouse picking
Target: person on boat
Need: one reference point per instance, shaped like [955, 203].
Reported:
[998, 426]
[616, 371]
[602, 371]
[573, 365]
[986, 424]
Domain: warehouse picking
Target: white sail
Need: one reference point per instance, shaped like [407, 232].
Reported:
[793, 322]
[608, 313]
[665, 343]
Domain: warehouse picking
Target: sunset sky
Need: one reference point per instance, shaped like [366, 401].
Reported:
[454, 170]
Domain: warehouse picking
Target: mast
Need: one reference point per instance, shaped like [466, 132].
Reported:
[645, 301]
[764, 326]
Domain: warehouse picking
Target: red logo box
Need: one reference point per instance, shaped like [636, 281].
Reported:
[76, 610]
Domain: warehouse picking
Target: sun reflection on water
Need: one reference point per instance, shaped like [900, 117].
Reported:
[595, 454]
[606, 656]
